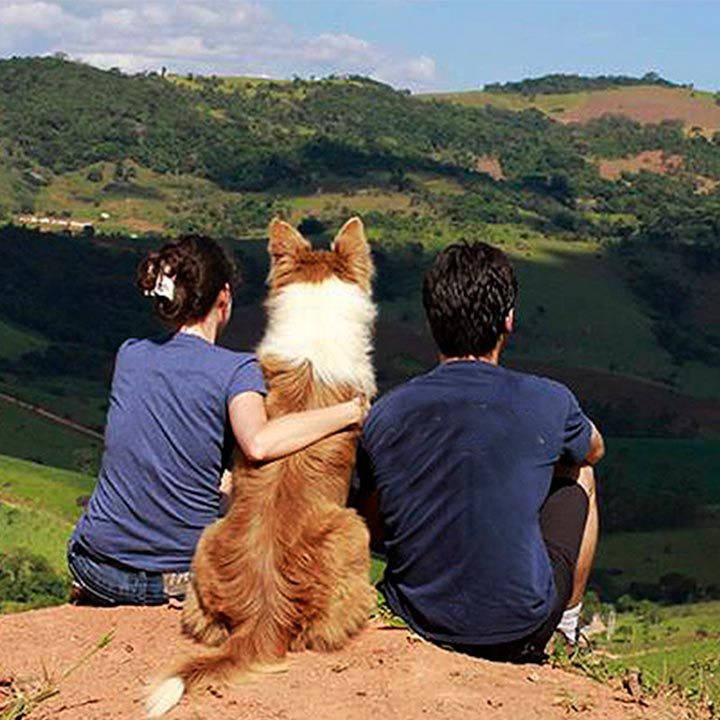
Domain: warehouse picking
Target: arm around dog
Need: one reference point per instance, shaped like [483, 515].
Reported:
[262, 439]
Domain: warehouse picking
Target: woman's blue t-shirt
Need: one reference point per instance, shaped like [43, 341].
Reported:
[167, 441]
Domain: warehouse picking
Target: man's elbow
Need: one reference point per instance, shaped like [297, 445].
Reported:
[597, 448]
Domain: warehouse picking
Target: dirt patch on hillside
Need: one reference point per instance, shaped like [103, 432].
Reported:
[490, 166]
[384, 672]
[651, 160]
[648, 105]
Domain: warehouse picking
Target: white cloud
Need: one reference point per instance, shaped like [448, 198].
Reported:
[35, 16]
[421, 68]
[230, 37]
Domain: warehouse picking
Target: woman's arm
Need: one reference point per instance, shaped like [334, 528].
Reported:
[261, 439]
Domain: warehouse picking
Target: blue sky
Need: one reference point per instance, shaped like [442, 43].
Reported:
[420, 44]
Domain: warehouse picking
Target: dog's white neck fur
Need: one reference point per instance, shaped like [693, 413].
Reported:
[327, 323]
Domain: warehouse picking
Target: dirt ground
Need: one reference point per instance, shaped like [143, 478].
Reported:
[648, 105]
[651, 160]
[383, 673]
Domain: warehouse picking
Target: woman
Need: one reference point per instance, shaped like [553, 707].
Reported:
[178, 406]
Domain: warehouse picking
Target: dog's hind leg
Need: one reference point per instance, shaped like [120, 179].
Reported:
[344, 566]
[198, 623]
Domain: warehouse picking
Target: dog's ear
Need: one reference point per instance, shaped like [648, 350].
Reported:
[351, 244]
[285, 240]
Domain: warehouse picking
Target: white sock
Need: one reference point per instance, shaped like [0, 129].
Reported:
[569, 622]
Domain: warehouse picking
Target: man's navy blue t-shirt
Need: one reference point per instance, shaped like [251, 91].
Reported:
[167, 439]
[462, 459]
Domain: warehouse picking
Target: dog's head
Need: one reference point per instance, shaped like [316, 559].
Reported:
[319, 306]
[293, 259]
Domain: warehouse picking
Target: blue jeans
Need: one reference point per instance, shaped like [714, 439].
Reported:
[107, 583]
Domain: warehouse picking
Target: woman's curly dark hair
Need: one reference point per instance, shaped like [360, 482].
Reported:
[199, 267]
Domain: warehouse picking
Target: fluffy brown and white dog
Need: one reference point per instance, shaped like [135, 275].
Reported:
[287, 568]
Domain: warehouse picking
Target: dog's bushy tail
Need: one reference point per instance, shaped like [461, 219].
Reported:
[239, 654]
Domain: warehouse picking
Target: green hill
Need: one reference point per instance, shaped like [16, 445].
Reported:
[619, 271]
[38, 509]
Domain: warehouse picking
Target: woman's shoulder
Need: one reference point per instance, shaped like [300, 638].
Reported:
[171, 349]
[134, 345]
[232, 357]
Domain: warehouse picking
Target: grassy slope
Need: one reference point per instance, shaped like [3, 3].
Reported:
[84, 401]
[678, 647]
[26, 435]
[38, 507]
[15, 341]
[550, 104]
[644, 458]
[145, 206]
[574, 310]
[647, 556]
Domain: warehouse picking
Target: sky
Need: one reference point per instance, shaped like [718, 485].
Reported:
[423, 45]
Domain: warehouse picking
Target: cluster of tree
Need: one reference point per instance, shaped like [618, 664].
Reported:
[558, 83]
[226, 218]
[266, 135]
[616, 136]
[29, 579]
[644, 598]
[71, 290]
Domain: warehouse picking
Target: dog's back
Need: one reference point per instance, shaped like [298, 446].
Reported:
[287, 568]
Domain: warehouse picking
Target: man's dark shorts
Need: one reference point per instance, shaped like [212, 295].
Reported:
[562, 520]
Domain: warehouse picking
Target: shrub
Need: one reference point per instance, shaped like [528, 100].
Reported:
[28, 578]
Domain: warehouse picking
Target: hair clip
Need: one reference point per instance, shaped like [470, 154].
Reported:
[164, 287]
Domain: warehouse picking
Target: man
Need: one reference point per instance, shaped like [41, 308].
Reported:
[478, 480]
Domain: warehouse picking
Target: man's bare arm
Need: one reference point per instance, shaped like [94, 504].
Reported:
[597, 447]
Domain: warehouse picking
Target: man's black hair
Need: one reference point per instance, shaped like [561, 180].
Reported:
[467, 293]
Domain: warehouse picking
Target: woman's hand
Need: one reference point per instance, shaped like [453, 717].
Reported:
[360, 407]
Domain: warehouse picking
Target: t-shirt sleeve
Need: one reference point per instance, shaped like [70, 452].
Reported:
[246, 377]
[576, 433]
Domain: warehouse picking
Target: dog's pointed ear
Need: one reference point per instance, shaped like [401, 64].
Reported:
[285, 239]
[351, 244]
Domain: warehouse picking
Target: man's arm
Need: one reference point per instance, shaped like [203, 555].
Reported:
[597, 446]
[368, 506]
[365, 498]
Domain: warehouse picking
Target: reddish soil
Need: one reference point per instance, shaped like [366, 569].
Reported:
[383, 673]
[705, 184]
[651, 160]
[490, 166]
[648, 105]
[142, 226]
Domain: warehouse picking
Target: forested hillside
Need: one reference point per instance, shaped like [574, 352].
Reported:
[613, 225]
[564, 83]
[224, 155]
